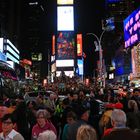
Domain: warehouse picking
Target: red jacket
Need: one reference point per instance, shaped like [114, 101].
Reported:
[37, 129]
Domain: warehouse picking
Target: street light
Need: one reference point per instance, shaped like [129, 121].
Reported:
[99, 39]
[108, 26]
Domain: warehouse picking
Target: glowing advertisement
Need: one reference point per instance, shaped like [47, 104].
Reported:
[136, 61]
[65, 18]
[79, 45]
[65, 45]
[53, 45]
[64, 63]
[132, 28]
[1, 44]
[80, 66]
[113, 1]
[64, 2]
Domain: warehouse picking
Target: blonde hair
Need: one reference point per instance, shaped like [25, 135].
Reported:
[132, 104]
[47, 135]
[86, 132]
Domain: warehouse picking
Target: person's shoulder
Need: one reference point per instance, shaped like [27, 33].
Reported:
[18, 137]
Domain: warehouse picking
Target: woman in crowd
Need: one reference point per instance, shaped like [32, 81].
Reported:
[47, 135]
[42, 124]
[86, 132]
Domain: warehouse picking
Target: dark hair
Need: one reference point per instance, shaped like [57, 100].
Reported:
[8, 116]
[72, 114]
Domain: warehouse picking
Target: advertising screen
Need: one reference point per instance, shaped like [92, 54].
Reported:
[65, 45]
[113, 1]
[79, 45]
[1, 45]
[132, 28]
[65, 18]
[67, 73]
[80, 66]
[64, 63]
[64, 2]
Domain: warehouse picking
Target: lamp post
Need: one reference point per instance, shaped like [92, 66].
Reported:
[99, 40]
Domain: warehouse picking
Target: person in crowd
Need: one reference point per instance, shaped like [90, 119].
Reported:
[105, 120]
[3, 111]
[133, 120]
[22, 119]
[119, 130]
[12, 106]
[51, 101]
[66, 108]
[8, 133]
[47, 135]
[86, 132]
[71, 118]
[83, 114]
[42, 124]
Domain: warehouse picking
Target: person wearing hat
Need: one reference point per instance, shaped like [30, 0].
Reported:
[83, 114]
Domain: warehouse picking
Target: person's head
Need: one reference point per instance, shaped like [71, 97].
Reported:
[132, 105]
[3, 110]
[8, 123]
[71, 117]
[47, 135]
[86, 132]
[83, 113]
[118, 118]
[41, 116]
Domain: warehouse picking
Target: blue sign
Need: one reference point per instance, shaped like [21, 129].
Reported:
[112, 1]
[132, 28]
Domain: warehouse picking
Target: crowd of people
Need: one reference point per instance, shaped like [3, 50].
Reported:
[85, 113]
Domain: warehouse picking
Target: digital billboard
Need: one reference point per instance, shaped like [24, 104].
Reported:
[53, 45]
[65, 45]
[65, 18]
[1, 45]
[67, 73]
[65, 63]
[132, 28]
[113, 1]
[64, 2]
[80, 66]
[79, 45]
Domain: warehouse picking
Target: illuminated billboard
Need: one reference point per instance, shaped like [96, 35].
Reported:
[65, 18]
[113, 1]
[67, 73]
[65, 63]
[1, 45]
[80, 66]
[53, 45]
[36, 56]
[64, 2]
[65, 45]
[132, 28]
[79, 45]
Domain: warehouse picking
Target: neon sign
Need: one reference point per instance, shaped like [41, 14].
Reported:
[132, 28]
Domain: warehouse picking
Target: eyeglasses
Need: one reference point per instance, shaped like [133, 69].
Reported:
[7, 123]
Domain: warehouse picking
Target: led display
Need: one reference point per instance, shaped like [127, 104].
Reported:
[67, 73]
[79, 45]
[64, 63]
[65, 18]
[113, 1]
[1, 44]
[53, 45]
[12, 58]
[64, 2]
[132, 28]
[65, 45]
[80, 66]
